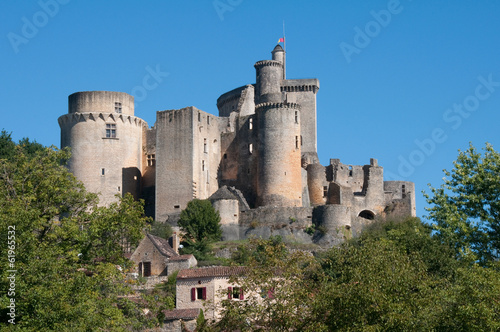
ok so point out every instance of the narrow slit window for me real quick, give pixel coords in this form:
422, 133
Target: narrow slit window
250, 123
296, 142
250, 148
203, 165
199, 117
103, 171
208, 120
296, 117
205, 145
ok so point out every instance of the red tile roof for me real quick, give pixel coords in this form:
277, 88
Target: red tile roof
214, 271
181, 313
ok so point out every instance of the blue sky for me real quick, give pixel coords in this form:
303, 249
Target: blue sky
405, 82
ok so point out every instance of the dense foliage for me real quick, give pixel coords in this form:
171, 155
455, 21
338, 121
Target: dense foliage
465, 209
396, 276
68, 251
200, 223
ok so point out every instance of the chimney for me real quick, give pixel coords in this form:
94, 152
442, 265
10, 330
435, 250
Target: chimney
174, 242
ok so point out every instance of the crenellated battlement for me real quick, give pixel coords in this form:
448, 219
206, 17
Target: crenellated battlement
267, 63
96, 116
265, 106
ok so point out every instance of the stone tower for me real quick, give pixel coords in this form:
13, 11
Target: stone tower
106, 142
279, 180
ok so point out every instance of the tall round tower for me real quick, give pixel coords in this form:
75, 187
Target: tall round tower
106, 142
279, 180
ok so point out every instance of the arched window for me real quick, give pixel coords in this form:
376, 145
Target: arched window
367, 215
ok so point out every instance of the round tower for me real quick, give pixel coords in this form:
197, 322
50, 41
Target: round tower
279, 180
316, 178
106, 142
268, 81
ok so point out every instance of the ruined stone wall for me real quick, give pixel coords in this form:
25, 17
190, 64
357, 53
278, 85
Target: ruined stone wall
400, 196
106, 146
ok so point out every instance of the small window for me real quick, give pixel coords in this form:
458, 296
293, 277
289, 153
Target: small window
199, 293
203, 165
208, 120
235, 293
177, 206
350, 170
151, 159
296, 117
199, 117
103, 171
296, 142
250, 123
205, 145
170, 116
118, 107
301, 144
146, 269
110, 130
325, 191
250, 148
225, 155
119, 188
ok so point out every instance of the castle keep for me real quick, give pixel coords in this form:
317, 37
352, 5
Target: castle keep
257, 161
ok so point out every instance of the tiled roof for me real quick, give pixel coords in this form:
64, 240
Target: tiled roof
215, 271
180, 258
181, 313
162, 245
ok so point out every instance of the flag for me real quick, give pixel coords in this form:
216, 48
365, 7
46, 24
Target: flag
281, 40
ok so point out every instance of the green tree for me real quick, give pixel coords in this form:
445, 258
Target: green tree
280, 287
465, 209
200, 223
7, 146
161, 229
67, 249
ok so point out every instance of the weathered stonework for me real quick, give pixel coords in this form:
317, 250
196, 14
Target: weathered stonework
261, 151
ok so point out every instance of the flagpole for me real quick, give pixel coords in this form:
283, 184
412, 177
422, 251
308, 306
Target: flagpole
284, 46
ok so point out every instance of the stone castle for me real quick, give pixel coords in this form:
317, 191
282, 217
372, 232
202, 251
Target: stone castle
256, 161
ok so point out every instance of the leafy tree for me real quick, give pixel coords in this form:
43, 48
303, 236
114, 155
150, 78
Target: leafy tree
201, 224
7, 146
280, 288
466, 207
161, 229
67, 250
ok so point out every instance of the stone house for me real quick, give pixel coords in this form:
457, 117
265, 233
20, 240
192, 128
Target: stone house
196, 287
155, 257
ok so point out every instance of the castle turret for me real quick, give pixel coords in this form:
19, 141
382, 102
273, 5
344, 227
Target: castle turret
106, 142
280, 55
268, 81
